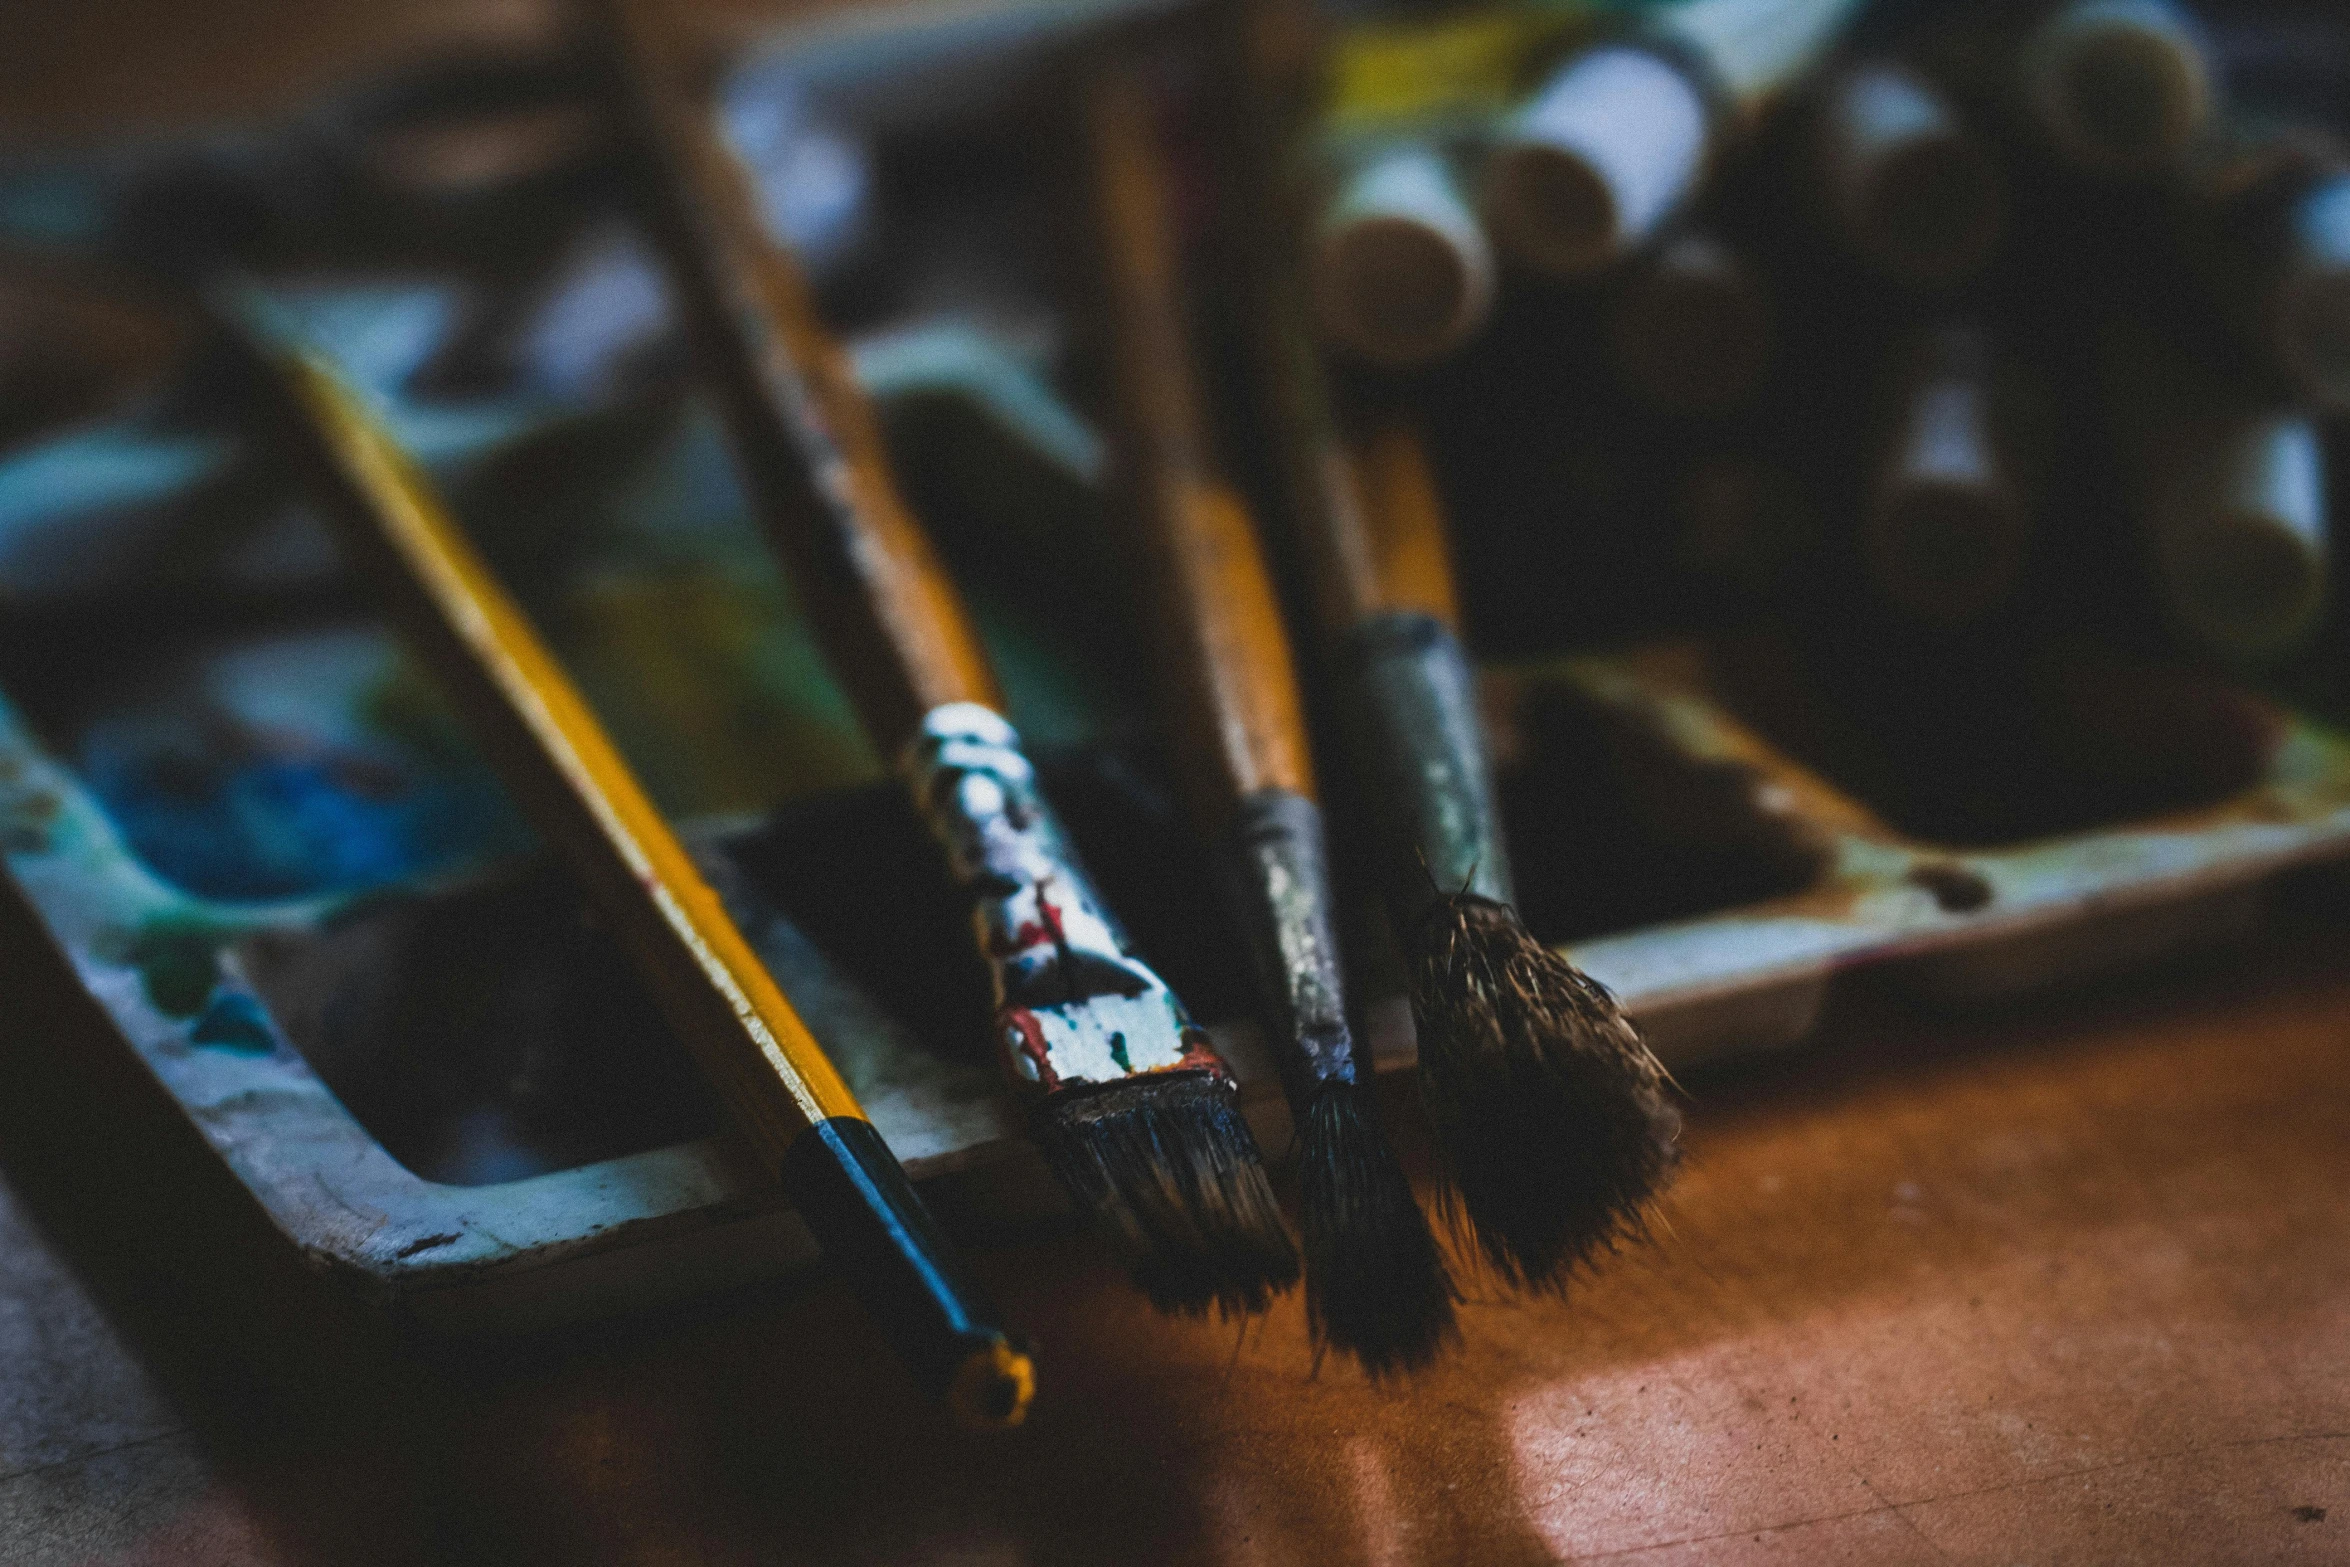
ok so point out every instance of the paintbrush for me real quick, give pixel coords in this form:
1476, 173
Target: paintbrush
1549, 1110
787, 1101
1550, 1118
1135, 1112
1376, 1285
1606, 150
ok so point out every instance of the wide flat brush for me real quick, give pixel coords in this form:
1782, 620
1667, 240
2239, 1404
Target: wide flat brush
1376, 1284
784, 1097
1136, 1113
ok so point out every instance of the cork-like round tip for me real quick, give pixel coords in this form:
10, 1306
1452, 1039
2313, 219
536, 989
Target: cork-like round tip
2312, 301
1933, 211
2119, 86
1692, 329
2247, 583
1400, 291
1552, 210
993, 1387
1399, 271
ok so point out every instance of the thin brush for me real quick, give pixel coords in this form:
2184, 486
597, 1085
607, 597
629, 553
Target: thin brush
785, 1099
1136, 1113
1550, 1116
1376, 1284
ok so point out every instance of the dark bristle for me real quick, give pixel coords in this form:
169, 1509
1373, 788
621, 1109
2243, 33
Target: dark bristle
1376, 1284
1171, 1173
1549, 1113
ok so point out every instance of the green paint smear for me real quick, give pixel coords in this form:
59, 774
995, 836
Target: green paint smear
178, 960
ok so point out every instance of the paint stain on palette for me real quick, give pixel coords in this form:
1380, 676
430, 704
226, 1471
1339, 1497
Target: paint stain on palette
289, 766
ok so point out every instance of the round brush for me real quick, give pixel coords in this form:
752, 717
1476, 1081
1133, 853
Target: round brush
1376, 1283
1549, 1112
1552, 1126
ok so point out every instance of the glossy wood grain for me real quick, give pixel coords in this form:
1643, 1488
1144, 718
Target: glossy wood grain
804, 432
1225, 657
2065, 1287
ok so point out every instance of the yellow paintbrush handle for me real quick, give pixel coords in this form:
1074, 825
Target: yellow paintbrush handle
580, 791
782, 1093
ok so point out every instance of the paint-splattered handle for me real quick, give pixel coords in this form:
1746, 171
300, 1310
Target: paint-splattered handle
1410, 698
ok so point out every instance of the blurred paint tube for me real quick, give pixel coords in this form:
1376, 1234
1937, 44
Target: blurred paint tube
1691, 326
2117, 87
1907, 184
1945, 527
1613, 143
1398, 269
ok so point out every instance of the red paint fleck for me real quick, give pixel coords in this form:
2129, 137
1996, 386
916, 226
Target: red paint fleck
1017, 1029
1199, 1055
1019, 940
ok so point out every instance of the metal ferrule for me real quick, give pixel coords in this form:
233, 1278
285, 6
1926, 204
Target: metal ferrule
1277, 885
1411, 702
1073, 1006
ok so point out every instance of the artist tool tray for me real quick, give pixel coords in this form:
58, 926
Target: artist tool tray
303, 905
240, 822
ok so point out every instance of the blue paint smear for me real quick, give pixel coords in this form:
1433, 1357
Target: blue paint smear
245, 827
235, 1022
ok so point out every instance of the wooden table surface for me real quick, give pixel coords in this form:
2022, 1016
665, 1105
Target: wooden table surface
2070, 1286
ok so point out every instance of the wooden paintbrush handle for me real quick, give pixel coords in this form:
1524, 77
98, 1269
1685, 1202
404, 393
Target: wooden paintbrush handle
1406, 544
806, 435
1225, 656
1409, 690
782, 1094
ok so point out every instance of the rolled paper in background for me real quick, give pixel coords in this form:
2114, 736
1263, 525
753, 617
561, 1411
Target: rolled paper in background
2234, 507
2306, 309
1945, 528
1398, 269
1908, 185
1691, 326
1596, 161
2117, 87
1613, 143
